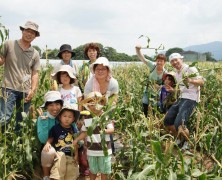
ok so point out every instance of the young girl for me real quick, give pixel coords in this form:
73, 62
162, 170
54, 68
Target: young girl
70, 94
167, 93
98, 162
61, 136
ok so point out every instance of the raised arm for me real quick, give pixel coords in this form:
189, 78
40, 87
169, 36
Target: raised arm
140, 55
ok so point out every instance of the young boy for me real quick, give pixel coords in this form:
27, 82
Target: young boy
167, 92
98, 162
61, 137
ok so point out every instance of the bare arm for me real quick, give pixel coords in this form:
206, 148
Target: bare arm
48, 144
109, 131
196, 82
79, 104
140, 55
2, 60
34, 85
80, 137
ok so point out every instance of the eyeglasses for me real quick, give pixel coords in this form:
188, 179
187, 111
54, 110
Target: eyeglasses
101, 69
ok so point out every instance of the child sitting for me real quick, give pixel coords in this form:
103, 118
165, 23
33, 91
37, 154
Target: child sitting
61, 137
98, 162
70, 94
167, 93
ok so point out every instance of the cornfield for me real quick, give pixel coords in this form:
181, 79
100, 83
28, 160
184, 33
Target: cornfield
148, 152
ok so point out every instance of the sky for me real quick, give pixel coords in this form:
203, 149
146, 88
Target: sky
116, 23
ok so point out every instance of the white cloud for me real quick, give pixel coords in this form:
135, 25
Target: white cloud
117, 23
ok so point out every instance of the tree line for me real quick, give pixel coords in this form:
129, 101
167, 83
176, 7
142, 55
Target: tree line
110, 53
106, 51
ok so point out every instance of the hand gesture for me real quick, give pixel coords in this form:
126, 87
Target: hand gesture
40, 112
47, 147
169, 88
29, 96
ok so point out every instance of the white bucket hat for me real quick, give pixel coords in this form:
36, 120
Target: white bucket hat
52, 96
65, 68
175, 56
101, 60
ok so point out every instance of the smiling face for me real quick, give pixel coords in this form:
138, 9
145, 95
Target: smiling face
66, 118
92, 54
177, 63
101, 72
64, 78
160, 63
28, 35
66, 56
54, 108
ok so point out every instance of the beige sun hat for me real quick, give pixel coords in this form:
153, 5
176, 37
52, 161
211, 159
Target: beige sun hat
65, 68
70, 108
94, 96
31, 25
51, 96
101, 60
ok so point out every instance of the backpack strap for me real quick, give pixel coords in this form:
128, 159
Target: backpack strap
148, 77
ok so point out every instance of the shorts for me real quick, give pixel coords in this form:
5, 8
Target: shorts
179, 111
100, 164
65, 168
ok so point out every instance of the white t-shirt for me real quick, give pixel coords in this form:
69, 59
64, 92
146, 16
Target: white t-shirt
193, 92
70, 97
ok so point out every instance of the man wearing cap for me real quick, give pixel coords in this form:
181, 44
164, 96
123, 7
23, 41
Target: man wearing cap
189, 86
20, 79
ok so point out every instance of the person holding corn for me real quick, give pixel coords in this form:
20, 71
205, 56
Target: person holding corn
189, 82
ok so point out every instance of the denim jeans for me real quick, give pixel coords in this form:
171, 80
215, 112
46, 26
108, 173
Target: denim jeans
11, 98
179, 111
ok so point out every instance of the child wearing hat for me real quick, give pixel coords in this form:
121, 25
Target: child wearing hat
61, 137
71, 94
167, 92
98, 161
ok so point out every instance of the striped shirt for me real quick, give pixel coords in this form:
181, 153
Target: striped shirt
94, 146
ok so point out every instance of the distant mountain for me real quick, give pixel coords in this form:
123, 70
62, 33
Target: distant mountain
214, 47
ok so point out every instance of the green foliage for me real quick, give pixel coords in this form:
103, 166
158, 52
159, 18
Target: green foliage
173, 50
209, 56
38, 49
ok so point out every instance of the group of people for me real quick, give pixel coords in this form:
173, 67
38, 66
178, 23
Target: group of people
62, 127
177, 103
62, 123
